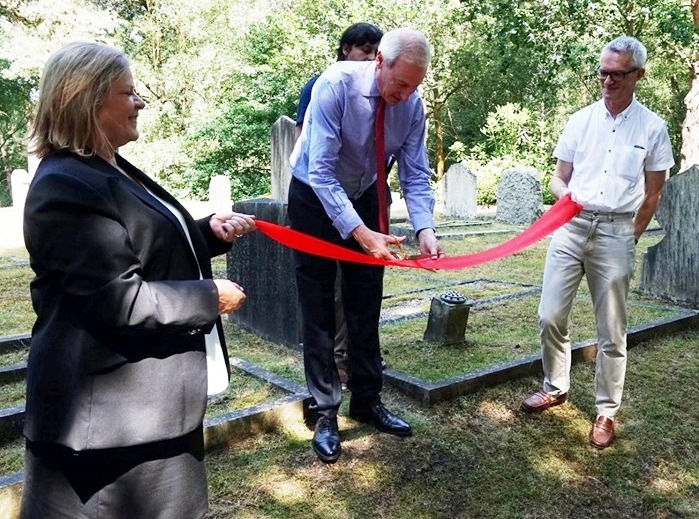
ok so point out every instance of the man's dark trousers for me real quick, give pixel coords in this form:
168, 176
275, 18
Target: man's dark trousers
362, 290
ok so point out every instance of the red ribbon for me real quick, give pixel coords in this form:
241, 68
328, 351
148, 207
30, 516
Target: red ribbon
560, 213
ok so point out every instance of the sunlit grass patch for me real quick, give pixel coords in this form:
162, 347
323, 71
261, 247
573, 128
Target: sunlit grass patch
244, 391
13, 355
16, 313
13, 394
11, 454
495, 333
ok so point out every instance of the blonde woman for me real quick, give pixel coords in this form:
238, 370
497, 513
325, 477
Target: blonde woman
127, 312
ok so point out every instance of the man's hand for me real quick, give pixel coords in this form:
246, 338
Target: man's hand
376, 244
429, 245
229, 226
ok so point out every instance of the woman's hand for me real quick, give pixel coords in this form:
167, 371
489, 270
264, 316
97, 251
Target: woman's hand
231, 296
229, 226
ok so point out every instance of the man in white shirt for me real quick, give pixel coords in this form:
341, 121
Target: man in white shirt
613, 158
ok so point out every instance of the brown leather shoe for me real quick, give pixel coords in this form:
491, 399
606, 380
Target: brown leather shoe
602, 433
541, 401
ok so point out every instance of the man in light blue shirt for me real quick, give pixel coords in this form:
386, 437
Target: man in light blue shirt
333, 196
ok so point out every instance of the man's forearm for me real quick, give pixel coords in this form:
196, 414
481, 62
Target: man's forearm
558, 187
644, 215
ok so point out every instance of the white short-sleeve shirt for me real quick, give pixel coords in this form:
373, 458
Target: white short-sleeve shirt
611, 155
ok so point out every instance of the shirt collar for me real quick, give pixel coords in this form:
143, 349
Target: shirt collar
369, 87
625, 114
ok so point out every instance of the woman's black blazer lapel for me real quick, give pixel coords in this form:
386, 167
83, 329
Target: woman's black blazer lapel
200, 253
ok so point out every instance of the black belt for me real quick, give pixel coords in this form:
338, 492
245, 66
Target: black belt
605, 216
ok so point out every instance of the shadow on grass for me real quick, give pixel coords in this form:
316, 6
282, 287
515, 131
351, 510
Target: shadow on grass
478, 456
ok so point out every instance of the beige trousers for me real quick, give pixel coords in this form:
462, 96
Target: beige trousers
601, 247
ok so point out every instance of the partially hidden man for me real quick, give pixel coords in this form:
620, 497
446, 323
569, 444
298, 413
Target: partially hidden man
613, 158
333, 196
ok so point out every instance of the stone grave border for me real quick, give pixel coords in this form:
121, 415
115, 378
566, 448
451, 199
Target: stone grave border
253, 419
270, 416
218, 431
444, 233
431, 393
527, 289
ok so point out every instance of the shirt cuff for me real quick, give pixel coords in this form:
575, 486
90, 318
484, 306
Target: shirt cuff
417, 233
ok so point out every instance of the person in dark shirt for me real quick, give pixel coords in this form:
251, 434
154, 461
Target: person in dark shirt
359, 42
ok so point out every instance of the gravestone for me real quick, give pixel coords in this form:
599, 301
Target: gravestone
282, 146
670, 267
32, 164
265, 269
459, 192
520, 199
220, 194
19, 181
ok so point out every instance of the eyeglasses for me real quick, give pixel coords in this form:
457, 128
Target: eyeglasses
616, 76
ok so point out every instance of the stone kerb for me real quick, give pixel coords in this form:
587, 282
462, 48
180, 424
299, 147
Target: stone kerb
282, 145
266, 270
459, 192
219, 431
432, 393
670, 267
520, 199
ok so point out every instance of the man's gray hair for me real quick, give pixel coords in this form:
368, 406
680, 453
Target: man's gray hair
408, 44
628, 45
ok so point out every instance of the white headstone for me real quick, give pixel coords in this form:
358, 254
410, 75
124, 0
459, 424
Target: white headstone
282, 146
32, 164
459, 192
220, 194
20, 186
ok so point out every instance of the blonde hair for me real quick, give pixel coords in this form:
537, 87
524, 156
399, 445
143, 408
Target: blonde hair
75, 83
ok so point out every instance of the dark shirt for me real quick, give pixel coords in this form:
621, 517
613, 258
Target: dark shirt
304, 99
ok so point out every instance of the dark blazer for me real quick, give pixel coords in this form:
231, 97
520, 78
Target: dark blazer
117, 355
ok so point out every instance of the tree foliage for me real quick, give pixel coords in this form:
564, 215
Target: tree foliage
216, 73
14, 109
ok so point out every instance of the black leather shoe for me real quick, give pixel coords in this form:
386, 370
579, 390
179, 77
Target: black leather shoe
326, 439
377, 415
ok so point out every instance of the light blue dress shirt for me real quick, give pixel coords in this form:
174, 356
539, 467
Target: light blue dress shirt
336, 154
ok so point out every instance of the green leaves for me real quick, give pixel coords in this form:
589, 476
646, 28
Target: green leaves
217, 73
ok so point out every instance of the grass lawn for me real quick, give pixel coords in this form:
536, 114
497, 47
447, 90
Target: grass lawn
476, 456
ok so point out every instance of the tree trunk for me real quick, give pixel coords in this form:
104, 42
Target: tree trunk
689, 154
438, 145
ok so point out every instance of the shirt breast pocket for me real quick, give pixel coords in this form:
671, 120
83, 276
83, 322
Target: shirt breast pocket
630, 161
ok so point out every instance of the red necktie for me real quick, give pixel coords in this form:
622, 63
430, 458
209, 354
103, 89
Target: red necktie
381, 166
